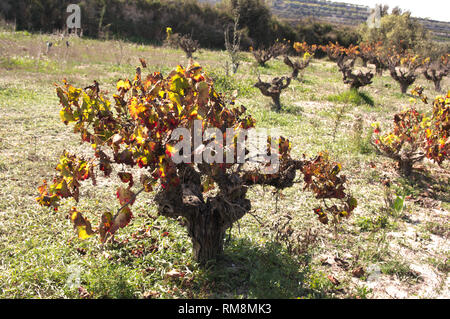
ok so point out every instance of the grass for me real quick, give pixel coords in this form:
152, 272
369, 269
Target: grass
40, 256
373, 224
353, 96
399, 269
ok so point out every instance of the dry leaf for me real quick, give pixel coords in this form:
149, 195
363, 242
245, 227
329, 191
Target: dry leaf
174, 274
150, 294
333, 280
84, 294
358, 272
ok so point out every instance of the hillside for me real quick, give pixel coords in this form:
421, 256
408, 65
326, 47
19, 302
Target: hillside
343, 13
340, 13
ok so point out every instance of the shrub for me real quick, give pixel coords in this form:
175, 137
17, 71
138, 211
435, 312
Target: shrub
436, 70
402, 66
345, 59
416, 136
373, 53
136, 130
356, 78
275, 50
297, 65
188, 45
233, 46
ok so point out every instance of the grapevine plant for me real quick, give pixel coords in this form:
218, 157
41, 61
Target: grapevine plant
306, 52
416, 135
131, 135
402, 66
373, 53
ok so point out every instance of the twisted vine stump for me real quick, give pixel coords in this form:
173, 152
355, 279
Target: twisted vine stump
404, 76
296, 65
188, 45
436, 71
274, 88
402, 67
356, 78
264, 55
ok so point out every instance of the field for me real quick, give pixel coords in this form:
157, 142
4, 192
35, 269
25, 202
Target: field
379, 252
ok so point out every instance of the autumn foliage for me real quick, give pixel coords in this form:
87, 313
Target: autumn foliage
416, 135
130, 136
306, 53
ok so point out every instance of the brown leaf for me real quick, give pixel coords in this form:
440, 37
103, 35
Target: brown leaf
126, 178
144, 64
150, 269
333, 280
125, 195
81, 251
105, 225
150, 294
80, 224
121, 220
358, 272
175, 274
341, 263
84, 294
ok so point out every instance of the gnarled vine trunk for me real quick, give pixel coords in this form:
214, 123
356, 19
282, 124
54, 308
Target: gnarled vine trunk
404, 76
274, 89
355, 78
208, 219
436, 73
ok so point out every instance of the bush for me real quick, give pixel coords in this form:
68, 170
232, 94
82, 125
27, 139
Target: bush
209, 193
396, 30
415, 135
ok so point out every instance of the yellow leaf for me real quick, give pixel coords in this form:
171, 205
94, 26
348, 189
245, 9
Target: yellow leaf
83, 232
125, 85
81, 224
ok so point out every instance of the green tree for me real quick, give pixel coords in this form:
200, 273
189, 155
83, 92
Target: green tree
399, 30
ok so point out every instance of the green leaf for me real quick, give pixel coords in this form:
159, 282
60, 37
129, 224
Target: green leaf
399, 203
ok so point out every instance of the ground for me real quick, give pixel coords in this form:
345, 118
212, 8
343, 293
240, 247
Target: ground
379, 252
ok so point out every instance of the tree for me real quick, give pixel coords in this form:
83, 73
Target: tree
150, 124
254, 15
399, 31
233, 46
